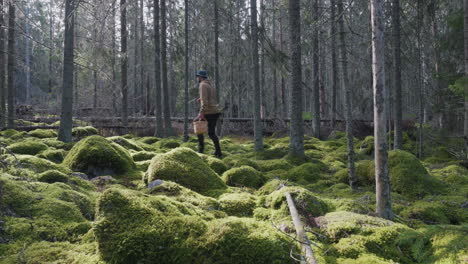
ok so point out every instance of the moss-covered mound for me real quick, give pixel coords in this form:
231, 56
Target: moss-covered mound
167, 144
43, 133
143, 155
96, 156
237, 204
408, 176
243, 176
131, 229
54, 155
275, 164
454, 174
215, 164
27, 147
52, 176
85, 131
126, 143
305, 173
185, 167
35, 164
435, 212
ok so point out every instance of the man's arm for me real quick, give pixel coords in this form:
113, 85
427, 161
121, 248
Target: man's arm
203, 98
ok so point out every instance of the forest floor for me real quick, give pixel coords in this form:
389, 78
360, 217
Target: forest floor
128, 199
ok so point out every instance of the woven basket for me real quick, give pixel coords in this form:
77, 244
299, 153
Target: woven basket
200, 126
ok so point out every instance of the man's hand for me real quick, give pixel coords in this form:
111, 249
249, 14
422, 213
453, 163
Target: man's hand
199, 100
200, 116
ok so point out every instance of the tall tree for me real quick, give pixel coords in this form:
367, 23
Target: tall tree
66, 118
28, 55
466, 75
397, 71
348, 105
157, 72
165, 86
382, 178
217, 81
2, 68
315, 52
420, 86
296, 143
258, 133
124, 59
334, 68
113, 59
274, 71
186, 80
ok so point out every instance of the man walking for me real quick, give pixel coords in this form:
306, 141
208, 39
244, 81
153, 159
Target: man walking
208, 110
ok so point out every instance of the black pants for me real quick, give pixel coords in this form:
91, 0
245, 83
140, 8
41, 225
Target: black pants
212, 119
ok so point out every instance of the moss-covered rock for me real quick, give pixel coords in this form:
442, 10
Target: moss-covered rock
243, 176
149, 140
143, 155
366, 146
52, 176
167, 144
85, 131
237, 204
96, 156
54, 155
130, 230
215, 164
365, 171
454, 174
239, 161
27, 147
43, 133
185, 167
9, 133
35, 164
435, 212
126, 143
275, 164
305, 173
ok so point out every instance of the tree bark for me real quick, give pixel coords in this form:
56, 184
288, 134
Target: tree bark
315, 52
398, 141
420, 86
348, 104
334, 71
124, 60
113, 60
186, 80
296, 143
217, 82
66, 118
165, 86
258, 130
465, 132
28, 56
159, 132
274, 72
382, 179
3, 92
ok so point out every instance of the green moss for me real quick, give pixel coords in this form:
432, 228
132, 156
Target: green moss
243, 176
143, 165
275, 152
54, 155
364, 258
366, 146
185, 167
139, 232
365, 172
408, 176
85, 131
52, 176
237, 204
149, 140
43, 133
236, 161
27, 147
305, 173
36, 164
453, 174
215, 164
307, 204
8, 133
143, 155
275, 164
435, 212
126, 143
55, 143
96, 156
167, 144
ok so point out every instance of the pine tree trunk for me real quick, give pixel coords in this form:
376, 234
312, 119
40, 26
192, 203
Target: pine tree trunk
66, 118
420, 86
51, 44
186, 80
382, 179
113, 61
3, 92
124, 58
217, 81
28, 57
158, 112
296, 144
398, 142
348, 105
334, 71
315, 51
165, 86
284, 107
258, 130
274, 72
465, 132
141, 58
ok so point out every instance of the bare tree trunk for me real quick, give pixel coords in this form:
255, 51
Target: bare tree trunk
274, 72
258, 131
420, 86
141, 58
348, 104
28, 56
283, 82
66, 118
217, 82
165, 86
397, 57
124, 58
158, 112
315, 52
186, 80
51, 44
296, 143
334, 72
382, 179
3, 92
11, 64
113, 61
95, 77
465, 132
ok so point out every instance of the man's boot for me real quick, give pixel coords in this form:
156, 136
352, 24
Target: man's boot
201, 144
218, 154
